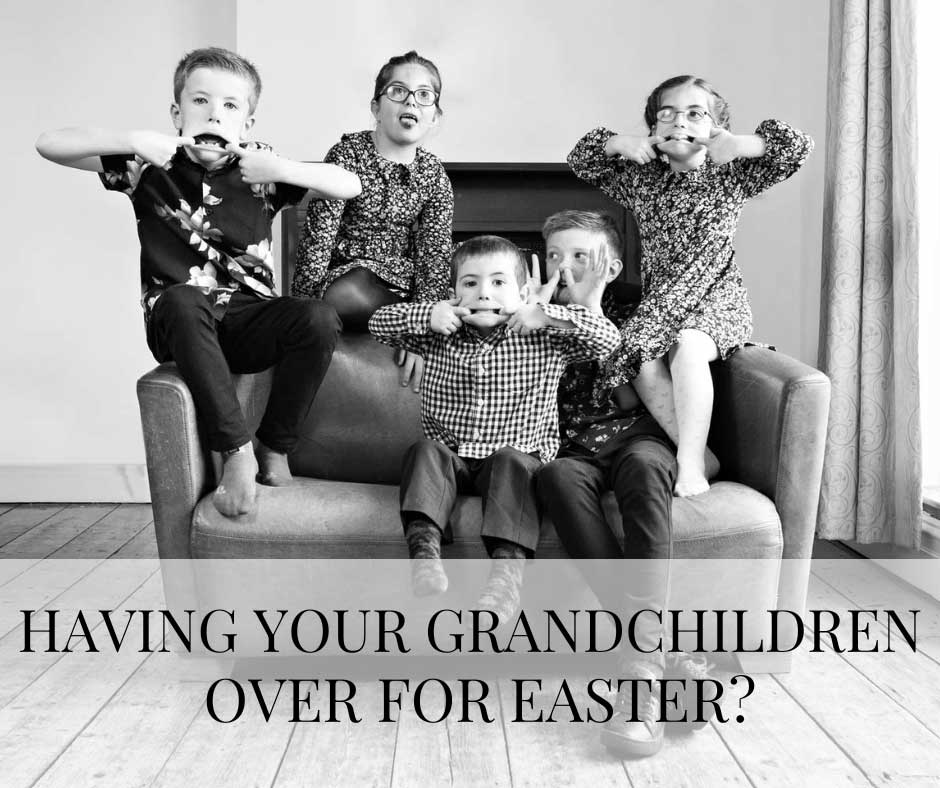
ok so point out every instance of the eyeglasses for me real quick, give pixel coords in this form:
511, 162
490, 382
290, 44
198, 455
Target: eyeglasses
694, 115
424, 97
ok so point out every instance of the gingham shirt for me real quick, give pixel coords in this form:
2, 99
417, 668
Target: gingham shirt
480, 393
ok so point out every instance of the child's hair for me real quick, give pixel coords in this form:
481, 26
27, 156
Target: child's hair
223, 60
592, 221
409, 58
481, 245
719, 109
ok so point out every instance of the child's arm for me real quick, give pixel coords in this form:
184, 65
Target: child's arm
578, 331
82, 148
770, 155
434, 242
591, 162
411, 325
327, 181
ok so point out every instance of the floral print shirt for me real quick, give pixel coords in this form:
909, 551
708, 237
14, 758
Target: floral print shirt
687, 222
399, 227
205, 228
581, 419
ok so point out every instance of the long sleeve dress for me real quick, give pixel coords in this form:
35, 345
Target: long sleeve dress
687, 221
399, 227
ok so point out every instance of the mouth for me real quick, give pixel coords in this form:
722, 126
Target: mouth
489, 310
408, 119
678, 137
211, 141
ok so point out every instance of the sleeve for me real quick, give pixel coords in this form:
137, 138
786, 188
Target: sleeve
277, 195
786, 151
120, 172
318, 236
434, 242
592, 337
609, 174
404, 325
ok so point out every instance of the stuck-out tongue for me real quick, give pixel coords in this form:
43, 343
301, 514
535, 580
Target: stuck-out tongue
211, 139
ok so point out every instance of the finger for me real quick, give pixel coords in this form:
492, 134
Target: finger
233, 148
567, 277
535, 272
185, 141
417, 375
655, 139
461, 311
702, 140
553, 281
454, 301
399, 356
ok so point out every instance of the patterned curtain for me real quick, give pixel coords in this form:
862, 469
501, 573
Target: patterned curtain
871, 488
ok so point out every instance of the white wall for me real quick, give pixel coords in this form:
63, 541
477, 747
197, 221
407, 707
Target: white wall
72, 333
522, 81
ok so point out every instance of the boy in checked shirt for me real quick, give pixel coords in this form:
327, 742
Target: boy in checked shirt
492, 363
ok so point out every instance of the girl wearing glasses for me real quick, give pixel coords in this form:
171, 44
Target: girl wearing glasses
686, 184
393, 242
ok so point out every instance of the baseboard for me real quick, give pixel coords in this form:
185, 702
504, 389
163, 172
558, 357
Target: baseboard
74, 483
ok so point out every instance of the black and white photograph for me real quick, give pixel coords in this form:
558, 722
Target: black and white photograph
478, 394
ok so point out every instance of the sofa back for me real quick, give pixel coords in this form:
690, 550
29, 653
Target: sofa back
363, 419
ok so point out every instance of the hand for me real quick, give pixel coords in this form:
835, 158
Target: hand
540, 293
589, 291
257, 166
528, 318
447, 317
412, 368
636, 149
722, 145
156, 148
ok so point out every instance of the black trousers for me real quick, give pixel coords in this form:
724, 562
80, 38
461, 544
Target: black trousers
639, 465
433, 475
295, 334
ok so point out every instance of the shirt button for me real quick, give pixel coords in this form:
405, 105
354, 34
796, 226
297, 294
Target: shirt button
477, 435
481, 370
481, 402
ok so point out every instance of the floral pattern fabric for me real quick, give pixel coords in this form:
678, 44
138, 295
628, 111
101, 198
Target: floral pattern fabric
583, 421
399, 227
687, 221
205, 228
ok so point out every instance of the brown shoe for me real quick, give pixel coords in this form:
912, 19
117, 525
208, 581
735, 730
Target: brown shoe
690, 669
636, 730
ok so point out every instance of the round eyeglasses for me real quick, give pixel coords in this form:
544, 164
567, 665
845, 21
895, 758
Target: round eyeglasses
424, 97
693, 115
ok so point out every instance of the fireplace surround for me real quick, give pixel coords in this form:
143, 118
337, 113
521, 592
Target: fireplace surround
508, 199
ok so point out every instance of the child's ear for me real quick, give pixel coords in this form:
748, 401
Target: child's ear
524, 292
249, 123
176, 117
614, 267
374, 106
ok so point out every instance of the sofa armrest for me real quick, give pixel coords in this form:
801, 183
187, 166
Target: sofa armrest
177, 461
769, 431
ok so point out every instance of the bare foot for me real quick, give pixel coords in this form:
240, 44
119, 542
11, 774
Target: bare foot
712, 466
273, 470
236, 492
690, 480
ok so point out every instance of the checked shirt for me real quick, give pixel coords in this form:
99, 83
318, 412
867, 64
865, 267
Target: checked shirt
481, 393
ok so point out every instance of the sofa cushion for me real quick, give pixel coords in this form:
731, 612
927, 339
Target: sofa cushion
319, 519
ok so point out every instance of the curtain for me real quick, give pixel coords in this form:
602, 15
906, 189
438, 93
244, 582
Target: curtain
871, 489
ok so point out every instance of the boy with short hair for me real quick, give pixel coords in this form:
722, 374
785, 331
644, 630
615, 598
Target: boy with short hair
204, 202
488, 407
614, 445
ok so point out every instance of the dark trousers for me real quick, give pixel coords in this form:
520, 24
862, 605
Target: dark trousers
433, 475
295, 334
639, 465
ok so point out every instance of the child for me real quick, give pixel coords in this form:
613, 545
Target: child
204, 202
492, 365
685, 184
604, 448
393, 242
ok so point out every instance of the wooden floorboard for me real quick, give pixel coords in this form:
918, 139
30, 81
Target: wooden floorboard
126, 719
18, 520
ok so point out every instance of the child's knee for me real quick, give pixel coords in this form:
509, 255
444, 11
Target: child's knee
317, 319
182, 302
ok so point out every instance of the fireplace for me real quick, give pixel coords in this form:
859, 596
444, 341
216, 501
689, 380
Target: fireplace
506, 199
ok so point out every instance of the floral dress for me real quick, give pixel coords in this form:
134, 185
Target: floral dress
687, 221
399, 227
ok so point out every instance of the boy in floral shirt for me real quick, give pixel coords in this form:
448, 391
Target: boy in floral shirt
204, 202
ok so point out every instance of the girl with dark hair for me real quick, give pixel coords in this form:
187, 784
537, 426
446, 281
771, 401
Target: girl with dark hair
393, 242
686, 184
